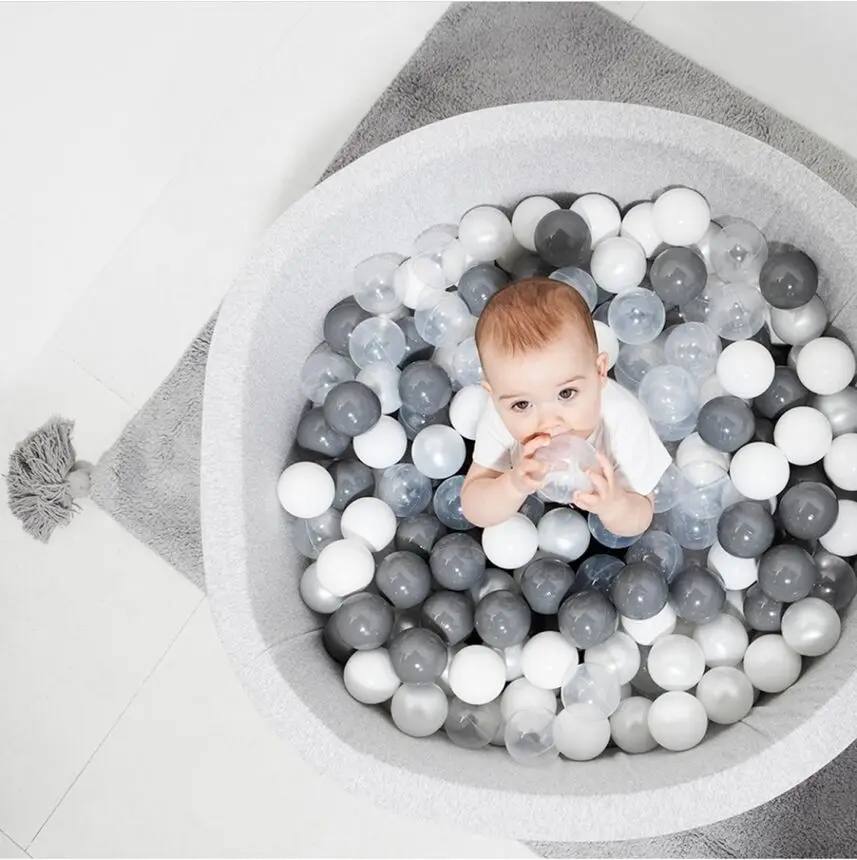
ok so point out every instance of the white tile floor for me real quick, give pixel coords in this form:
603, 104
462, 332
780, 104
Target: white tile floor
124, 731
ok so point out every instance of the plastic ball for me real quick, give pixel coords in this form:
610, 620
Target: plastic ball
837, 581
587, 618
477, 675
761, 612
521, 695
669, 393
404, 579
826, 365
811, 627
529, 737
424, 387
526, 217
447, 504
457, 562
323, 371
696, 595
759, 471
787, 573
546, 659
771, 664
842, 538
693, 346
485, 232
376, 339
737, 311
370, 521
639, 591
352, 408
726, 423
502, 619
659, 549
405, 489
681, 216
364, 621
598, 572
562, 238
421, 276
442, 319
569, 458
803, 434
373, 283
494, 580
454, 262
315, 596
413, 422
419, 710
746, 530
579, 280
591, 684
581, 732
693, 449
808, 510
438, 451
620, 654
703, 246
785, 392
649, 630
789, 279
608, 343
449, 614
738, 252
636, 316
840, 461
311, 536
511, 543
629, 726
383, 380
466, 409
601, 534
676, 662
669, 489
477, 285
435, 239
801, 325
723, 640
745, 369
352, 480
726, 694
563, 533
677, 721
305, 490
369, 677
315, 434
678, 275
339, 322
840, 409
736, 572
601, 215
472, 726
635, 361
639, 224
618, 264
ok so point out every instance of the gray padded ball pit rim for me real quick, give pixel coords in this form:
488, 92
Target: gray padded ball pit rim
252, 402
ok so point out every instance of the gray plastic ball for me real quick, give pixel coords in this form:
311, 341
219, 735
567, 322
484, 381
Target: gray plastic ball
726, 423
416, 349
425, 387
808, 510
764, 431
802, 324
837, 581
413, 421
449, 614
639, 591
447, 504
457, 562
405, 489
785, 392
762, 613
315, 434
405, 619
746, 529
697, 595
419, 534
533, 509
472, 727
311, 536
336, 648
545, 583
587, 619
478, 284
502, 619
352, 408
788, 279
418, 656
678, 275
351, 480
340, 321
562, 238
787, 573
840, 409
364, 621
404, 579
530, 265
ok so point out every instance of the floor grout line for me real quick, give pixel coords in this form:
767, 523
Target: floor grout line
116, 722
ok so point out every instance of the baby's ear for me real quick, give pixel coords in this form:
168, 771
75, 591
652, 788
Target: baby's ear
486, 386
601, 362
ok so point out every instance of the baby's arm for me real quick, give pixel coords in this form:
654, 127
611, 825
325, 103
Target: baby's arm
489, 497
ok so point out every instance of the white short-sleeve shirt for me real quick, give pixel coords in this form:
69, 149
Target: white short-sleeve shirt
624, 435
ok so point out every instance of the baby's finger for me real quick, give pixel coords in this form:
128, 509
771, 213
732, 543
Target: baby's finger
599, 483
606, 467
533, 445
585, 501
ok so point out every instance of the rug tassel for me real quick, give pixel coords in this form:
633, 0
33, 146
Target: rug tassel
44, 479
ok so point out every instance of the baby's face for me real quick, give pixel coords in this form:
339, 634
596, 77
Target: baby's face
552, 390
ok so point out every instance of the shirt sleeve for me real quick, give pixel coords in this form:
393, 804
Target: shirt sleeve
493, 446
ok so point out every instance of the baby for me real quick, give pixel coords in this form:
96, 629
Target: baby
545, 376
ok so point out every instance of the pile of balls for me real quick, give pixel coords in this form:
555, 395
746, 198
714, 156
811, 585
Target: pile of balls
547, 634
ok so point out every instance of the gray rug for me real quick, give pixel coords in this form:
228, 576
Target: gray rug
482, 55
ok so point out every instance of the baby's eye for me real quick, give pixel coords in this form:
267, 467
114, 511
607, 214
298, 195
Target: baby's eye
520, 406
567, 393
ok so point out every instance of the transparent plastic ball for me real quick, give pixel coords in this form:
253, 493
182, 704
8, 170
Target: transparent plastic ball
691, 530
708, 489
419, 276
472, 726
377, 339
738, 252
311, 536
737, 311
591, 684
636, 316
604, 536
435, 239
669, 489
669, 393
695, 347
529, 737
598, 572
373, 281
569, 458
322, 372
635, 361
659, 549
447, 504
466, 366
405, 489
581, 281
443, 319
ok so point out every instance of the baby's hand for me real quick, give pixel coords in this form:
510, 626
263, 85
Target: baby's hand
605, 494
529, 474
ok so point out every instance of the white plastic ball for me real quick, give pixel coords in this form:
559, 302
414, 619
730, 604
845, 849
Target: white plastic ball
677, 721
477, 674
466, 409
345, 566
736, 573
745, 368
842, 538
438, 451
618, 264
601, 215
369, 676
771, 665
581, 732
840, 462
811, 626
383, 379
526, 217
693, 449
620, 654
371, 521
382, 446
629, 726
803, 434
306, 490
723, 641
639, 224
759, 470
726, 694
485, 233
563, 533
511, 543
607, 342
647, 631
314, 595
546, 659
419, 710
676, 662
521, 695
681, 216
826, 365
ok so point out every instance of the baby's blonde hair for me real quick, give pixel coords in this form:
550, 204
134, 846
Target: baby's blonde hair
530, 314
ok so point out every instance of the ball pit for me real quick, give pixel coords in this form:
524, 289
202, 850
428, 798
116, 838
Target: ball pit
253, 411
